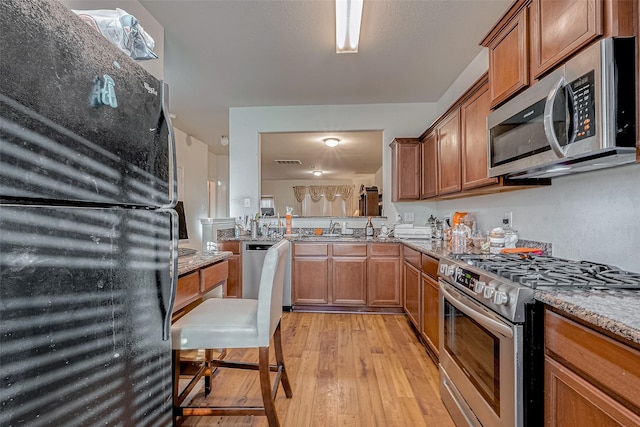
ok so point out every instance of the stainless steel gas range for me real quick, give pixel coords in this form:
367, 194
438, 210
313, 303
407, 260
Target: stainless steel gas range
491, 333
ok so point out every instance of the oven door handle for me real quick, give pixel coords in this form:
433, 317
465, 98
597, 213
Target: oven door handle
494, 325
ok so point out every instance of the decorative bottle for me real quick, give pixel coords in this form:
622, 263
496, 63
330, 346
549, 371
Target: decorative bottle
369, 228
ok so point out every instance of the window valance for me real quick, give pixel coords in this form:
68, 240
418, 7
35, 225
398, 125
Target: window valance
328, 191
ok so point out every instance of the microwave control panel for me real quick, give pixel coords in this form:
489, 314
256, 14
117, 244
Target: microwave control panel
584, 105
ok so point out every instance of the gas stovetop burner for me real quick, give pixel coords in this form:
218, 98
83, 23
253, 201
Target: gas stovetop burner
537, 271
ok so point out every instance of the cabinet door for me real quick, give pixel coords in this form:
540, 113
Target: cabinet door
561, 28
430, 313
411, 278
475, 163
430, 166
509, 59
234, 280
383, 279
572, 401
449, 154
348, 280
310, 280
405, 173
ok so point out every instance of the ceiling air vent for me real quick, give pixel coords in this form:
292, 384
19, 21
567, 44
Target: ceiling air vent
288, 162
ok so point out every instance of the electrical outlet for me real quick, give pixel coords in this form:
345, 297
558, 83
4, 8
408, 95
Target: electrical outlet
507, 219
247, 202
408, 216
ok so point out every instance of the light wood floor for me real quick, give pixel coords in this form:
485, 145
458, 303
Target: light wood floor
345, 370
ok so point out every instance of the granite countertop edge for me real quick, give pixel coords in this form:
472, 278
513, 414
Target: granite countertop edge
615, 311
190, 263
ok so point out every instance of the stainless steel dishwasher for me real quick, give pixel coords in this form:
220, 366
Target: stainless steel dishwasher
253, 253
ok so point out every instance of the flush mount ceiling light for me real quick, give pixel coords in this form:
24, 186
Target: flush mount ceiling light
331, 142
317, 172
224, 141
348, 19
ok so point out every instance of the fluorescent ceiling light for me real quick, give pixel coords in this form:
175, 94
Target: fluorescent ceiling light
331, 142
317, 173
348, 18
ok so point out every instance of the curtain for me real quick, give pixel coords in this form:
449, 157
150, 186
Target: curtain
323, 200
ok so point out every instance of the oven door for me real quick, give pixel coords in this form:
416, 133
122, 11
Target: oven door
481, 371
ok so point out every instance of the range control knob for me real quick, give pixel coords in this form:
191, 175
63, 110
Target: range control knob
488, 292
446, 270
451, 270
478, 287
500, 298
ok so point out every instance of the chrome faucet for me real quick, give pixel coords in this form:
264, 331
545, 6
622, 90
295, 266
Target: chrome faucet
332, 226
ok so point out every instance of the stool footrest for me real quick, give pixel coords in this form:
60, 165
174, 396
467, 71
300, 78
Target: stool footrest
185, 411
240, 365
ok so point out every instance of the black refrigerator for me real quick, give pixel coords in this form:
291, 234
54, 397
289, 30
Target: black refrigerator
88, 235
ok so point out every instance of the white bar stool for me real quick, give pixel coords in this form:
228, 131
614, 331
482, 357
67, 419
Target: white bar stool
220, 323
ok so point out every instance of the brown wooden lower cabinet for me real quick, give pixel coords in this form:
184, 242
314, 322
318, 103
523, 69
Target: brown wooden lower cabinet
430, 315
412, 294
359, 275
349, 274
234, 282
591, 379
310, 273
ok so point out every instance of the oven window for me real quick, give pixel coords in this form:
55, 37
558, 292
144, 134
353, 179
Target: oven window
476, 351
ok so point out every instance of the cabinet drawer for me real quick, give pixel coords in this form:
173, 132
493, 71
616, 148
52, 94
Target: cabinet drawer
188, 288
349, 249
310, 249
430, 266
232, 246
213, 275
601, 360
411, 256
384, 249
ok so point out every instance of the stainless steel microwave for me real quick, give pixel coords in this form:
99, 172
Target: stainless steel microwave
580, 117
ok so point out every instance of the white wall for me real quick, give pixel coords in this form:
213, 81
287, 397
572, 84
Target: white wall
592, 216
219, 174
245, 125
192, 157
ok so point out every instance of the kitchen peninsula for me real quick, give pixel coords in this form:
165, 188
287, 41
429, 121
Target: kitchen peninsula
199, 275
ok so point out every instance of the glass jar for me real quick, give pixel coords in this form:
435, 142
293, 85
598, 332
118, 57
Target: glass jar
496, 240
459, 238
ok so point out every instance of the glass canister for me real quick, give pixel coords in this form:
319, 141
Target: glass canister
496, 239
459, 236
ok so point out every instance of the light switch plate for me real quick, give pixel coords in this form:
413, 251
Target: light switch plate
247, 202
408, 216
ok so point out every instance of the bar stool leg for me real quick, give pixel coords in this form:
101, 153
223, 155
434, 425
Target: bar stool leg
265, 388
277, 341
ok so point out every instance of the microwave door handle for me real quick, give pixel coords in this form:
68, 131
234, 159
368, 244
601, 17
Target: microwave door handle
552, 138
455, 299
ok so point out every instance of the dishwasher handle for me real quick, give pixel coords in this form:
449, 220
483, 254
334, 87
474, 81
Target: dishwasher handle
257, 246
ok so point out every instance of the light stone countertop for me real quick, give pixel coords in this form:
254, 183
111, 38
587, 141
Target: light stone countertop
616, 311
187, 264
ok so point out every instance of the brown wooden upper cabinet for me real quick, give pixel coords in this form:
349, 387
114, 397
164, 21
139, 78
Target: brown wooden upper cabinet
449, 154
535, 36
405, 169
430, 165
509, 56
475, 153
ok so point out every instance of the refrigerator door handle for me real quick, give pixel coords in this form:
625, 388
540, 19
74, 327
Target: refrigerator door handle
173, 162
168, 309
